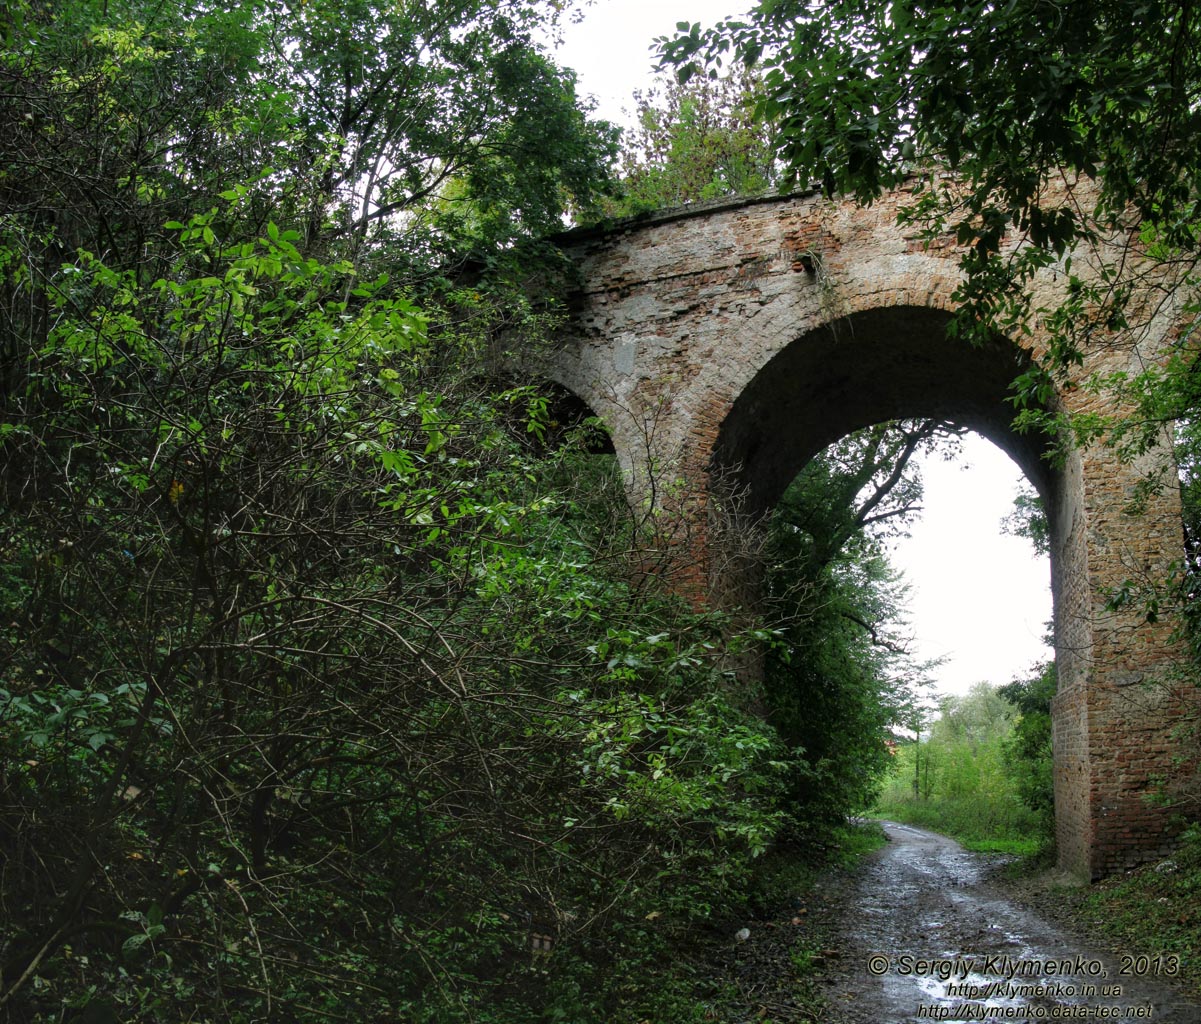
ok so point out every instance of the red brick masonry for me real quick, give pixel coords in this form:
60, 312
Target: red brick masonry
736, 340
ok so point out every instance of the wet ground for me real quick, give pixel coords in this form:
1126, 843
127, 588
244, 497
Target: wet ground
920, 934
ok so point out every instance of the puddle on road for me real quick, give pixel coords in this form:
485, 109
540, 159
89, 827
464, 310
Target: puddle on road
923, 938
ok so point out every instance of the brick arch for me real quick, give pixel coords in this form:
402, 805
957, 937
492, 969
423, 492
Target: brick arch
882, 363
751, 334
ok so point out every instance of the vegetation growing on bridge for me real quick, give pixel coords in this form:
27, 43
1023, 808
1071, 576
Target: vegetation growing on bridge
705, 139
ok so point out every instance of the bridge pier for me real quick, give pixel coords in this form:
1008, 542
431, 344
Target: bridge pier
1123, 719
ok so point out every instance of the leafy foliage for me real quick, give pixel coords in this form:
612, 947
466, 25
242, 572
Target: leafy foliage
1029, 520
1028, 751
697, 141
978, 773
842, 678
323, 671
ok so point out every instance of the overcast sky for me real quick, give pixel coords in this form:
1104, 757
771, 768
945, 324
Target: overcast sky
610, 49
980, 599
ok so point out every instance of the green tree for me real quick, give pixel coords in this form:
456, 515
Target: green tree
1028, 751
425, 138
974, 719
976, 772
841, 678
701, 140
1029, 520
969, 736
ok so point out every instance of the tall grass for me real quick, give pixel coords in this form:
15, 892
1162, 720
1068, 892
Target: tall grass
963, 781
994, 826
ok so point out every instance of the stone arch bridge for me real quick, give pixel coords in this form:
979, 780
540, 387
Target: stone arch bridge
743, 338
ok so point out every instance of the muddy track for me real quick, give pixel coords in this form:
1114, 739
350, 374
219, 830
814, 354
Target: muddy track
921, 934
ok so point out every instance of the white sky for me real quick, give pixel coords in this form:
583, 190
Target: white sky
980, 599
610, 49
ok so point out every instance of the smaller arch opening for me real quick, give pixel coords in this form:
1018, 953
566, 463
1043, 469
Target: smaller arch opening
569, 415
548, 415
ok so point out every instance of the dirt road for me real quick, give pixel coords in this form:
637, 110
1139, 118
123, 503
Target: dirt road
922, 935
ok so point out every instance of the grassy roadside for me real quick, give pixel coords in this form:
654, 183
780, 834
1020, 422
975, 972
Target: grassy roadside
974, 824
757, 962
1154, 911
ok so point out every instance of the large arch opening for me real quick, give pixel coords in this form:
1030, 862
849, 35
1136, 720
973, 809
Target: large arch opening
887, 365
896, 363
880, 364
